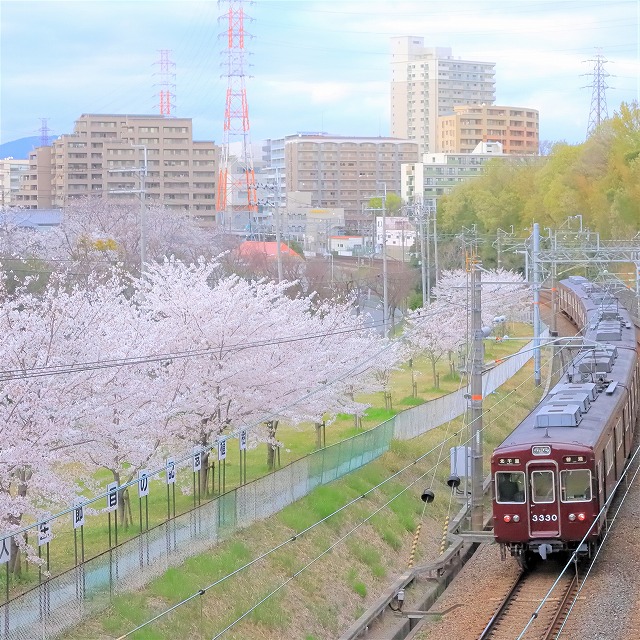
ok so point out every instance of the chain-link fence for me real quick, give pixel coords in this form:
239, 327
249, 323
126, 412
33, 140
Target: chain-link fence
61, 601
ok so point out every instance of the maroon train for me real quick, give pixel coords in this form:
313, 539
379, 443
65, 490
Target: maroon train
553, 474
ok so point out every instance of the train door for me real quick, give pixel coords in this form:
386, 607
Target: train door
544, 503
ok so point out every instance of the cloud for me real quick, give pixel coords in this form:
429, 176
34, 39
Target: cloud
321, 62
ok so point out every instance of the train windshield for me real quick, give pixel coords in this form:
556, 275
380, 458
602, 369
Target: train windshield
575, 485
510, 487
542, 486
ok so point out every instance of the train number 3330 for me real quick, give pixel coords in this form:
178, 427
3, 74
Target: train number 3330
544, 518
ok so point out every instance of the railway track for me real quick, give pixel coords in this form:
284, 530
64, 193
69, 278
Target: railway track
519, 605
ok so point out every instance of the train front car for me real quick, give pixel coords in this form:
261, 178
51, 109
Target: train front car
555, 471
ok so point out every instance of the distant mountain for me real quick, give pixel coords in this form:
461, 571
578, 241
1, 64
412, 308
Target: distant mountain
19, 149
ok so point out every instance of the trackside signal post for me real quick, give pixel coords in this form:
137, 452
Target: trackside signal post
477, 363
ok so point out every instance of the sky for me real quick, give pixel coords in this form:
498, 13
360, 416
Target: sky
311, 65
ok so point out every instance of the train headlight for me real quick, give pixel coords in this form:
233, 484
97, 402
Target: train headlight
581, 517
572, 516
507, 518
516, 518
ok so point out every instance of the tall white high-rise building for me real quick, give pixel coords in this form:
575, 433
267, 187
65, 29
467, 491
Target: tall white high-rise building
427, 82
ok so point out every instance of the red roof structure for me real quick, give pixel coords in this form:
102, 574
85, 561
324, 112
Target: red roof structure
253, 248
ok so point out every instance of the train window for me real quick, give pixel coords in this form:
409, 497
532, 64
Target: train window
510, 487
542, 486
575, 485
619, 428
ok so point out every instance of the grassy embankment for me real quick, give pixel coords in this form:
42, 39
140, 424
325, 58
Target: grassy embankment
336, 589
297, 442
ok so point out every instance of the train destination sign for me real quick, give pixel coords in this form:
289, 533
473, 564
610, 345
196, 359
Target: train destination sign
541, 450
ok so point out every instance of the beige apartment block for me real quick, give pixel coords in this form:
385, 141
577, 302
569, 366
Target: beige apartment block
11, 171
105, 156
35, 191
342, 172
515, 128
428, 82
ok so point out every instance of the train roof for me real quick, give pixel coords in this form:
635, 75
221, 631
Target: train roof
576, 409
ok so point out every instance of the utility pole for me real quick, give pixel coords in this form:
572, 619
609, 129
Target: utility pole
277, 215
477, 363
537, 375
143, 208
554, 292
428, 256
435, 243
423, 266
142, 174
385, 297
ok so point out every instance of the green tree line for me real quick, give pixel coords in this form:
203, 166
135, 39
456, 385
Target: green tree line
598, 179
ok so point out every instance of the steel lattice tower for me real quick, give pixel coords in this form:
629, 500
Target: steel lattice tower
598, 112
44, 132
167, 83
234, 182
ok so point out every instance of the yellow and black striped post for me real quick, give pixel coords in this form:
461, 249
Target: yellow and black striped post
414, 545
445, 531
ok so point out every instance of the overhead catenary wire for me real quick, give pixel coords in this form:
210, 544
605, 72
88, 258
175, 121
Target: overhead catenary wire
574, 555
355, 370
311, 562
315, 559
187, 456
11, 374
347, 505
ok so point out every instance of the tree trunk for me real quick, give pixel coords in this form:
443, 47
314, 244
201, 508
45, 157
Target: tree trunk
15, 564
433, 371
272, 427
123, 498
203, 474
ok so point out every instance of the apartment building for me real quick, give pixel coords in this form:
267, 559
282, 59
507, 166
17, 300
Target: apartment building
428, 82
105, 156
34, 191
10, 172
439, 173
343, 172
515, 128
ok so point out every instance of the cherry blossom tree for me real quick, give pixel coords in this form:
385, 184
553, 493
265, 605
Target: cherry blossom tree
436, 330
124, 414
39, 415
503, 292
441, 327
100, 232
263, 356
162, 363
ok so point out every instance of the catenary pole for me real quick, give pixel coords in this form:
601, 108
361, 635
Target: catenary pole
277, 216
423, 266
477, 362
537, 375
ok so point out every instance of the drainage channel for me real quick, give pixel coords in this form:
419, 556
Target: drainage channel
389, 618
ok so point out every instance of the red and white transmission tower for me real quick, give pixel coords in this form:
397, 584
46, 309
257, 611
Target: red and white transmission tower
167, 83
235, 182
